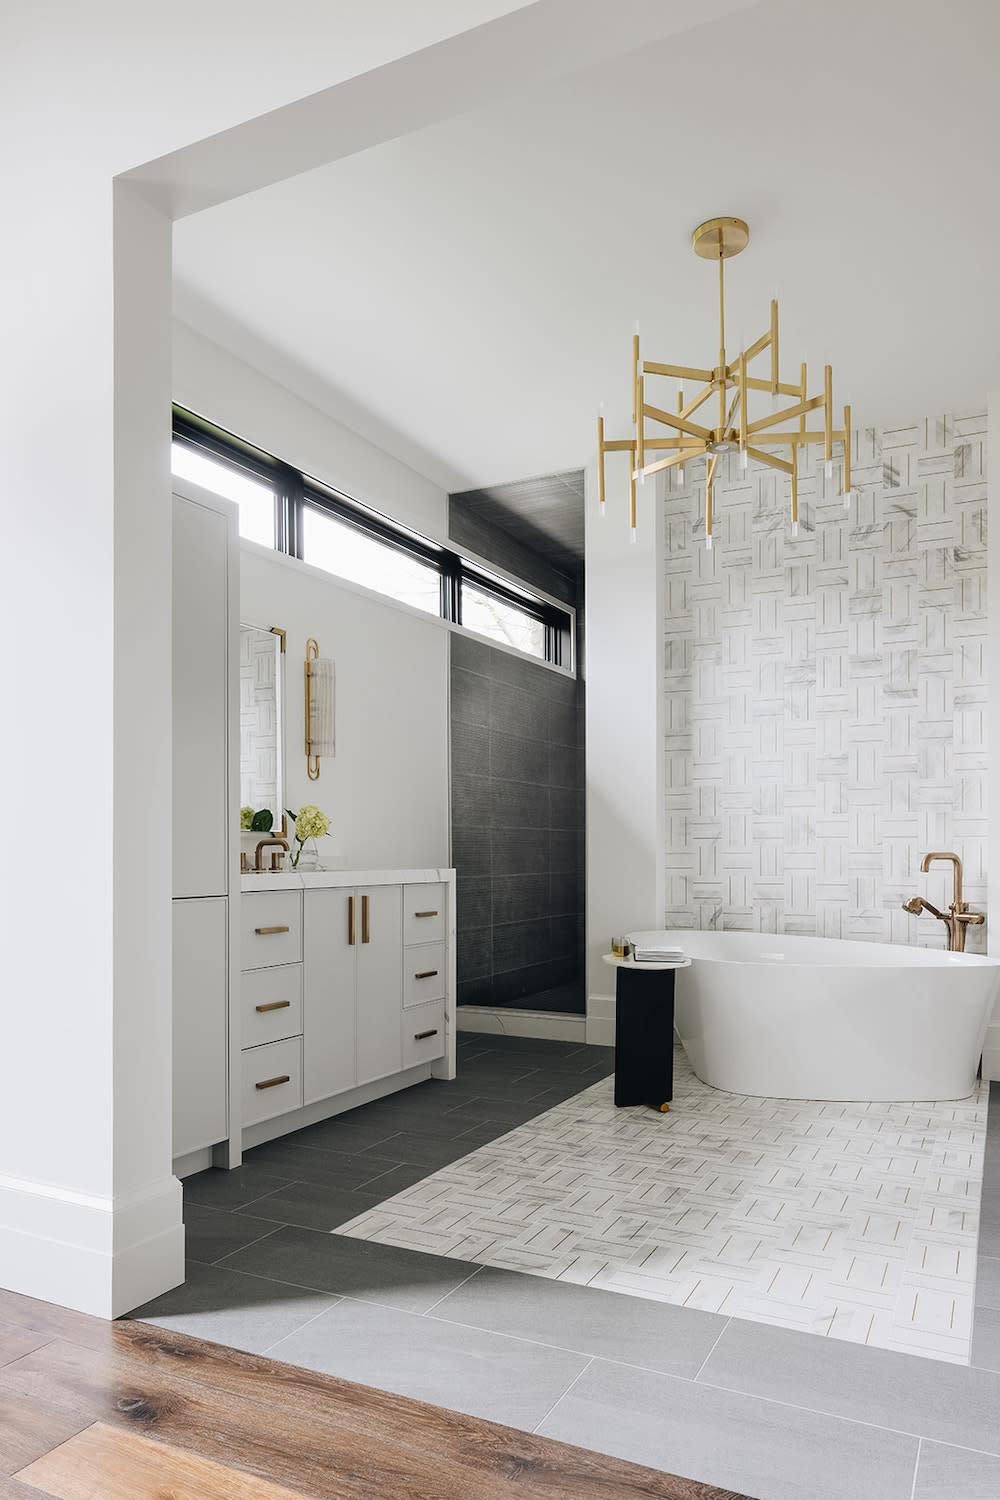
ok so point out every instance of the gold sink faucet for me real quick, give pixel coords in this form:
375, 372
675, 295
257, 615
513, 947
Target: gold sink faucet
258, 861
958, 918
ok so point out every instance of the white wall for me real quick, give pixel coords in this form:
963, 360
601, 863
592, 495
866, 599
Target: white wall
991, 1050
225, 390
624, 583
386, 789
89, 1211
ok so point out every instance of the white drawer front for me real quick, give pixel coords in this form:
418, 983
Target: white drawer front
423, 1033
272, 1080
270, 928
424, 913
272, 1004
423, 973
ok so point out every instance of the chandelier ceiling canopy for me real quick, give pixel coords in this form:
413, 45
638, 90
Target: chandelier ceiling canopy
732, 387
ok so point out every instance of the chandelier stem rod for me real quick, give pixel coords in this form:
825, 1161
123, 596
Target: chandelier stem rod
722, 340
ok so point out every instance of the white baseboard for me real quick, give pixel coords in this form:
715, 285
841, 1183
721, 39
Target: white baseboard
99, 1255
195, 1161
601, 1020
991, 1063
503, 1022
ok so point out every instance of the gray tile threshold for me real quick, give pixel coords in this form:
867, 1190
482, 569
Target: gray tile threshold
771, 1412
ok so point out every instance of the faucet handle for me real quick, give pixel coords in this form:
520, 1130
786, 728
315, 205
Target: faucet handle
276, 859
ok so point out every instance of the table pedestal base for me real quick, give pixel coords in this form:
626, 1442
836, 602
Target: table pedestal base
644, 1037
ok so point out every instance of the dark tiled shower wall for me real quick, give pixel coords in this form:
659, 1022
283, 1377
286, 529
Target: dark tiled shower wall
517, 829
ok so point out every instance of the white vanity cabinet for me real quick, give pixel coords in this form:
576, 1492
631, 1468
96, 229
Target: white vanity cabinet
351, 1007
353, 987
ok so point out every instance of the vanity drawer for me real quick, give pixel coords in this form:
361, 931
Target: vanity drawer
270, 928
423, 1033
272, 1004
272, 1080
423, 913
423, 973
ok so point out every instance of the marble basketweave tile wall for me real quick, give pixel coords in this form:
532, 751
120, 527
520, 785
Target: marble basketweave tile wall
825, 694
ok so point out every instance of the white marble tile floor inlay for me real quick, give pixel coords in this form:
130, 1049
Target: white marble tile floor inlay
852, 1221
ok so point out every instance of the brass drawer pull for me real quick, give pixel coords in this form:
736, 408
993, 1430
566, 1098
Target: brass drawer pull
418, 1036
270, 1083
351, 934
263, 931
274, 1005
427, 974
425, 913
366, 934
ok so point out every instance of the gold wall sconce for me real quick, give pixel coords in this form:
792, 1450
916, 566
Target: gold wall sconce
320, 681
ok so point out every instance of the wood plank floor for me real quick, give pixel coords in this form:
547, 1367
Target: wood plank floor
91, 1410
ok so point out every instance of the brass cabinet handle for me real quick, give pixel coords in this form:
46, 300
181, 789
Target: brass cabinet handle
425, 913
263, 931
365, 929
269, 1083
427, 974
418, 1036
274, 1005
351, 935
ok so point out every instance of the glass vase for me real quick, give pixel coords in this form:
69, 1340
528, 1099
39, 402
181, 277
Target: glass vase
309, 858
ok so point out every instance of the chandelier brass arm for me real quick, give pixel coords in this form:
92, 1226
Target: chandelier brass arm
719, 239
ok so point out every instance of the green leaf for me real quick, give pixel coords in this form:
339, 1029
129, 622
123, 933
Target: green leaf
263, 821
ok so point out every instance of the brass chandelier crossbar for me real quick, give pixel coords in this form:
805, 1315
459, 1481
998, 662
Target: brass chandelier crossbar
731, 386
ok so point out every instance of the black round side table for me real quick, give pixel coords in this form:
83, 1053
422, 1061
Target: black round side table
644, 1031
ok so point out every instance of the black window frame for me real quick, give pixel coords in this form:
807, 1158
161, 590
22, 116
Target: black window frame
295, 492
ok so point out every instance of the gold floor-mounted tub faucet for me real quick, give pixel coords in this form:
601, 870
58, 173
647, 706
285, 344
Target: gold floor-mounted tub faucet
958, 916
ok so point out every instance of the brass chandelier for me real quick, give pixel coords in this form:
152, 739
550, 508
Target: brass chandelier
732, 386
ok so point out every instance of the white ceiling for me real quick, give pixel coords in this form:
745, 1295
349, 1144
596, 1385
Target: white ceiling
466, 295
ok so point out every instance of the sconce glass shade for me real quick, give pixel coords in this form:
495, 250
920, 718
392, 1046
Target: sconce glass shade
321, 699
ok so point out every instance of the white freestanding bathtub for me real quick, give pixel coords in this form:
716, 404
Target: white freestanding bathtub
821, 1018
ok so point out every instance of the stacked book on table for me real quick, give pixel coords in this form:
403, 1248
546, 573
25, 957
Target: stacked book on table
655, 952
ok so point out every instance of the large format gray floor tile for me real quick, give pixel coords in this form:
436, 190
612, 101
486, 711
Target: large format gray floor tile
211, 1233
945, 1473
430, 1151
360, 1268
947, 1402
654, 1335
298, 1163
311, 1206
988, 1282
500, 1379
757, 1447
215, 1188
343, 1134
985, 1351
241, 1312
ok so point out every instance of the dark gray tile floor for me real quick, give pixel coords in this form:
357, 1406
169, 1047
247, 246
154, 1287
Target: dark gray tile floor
769, 1412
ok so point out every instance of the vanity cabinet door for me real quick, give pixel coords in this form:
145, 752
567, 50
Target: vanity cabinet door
330, 978
200, 1050
380, 981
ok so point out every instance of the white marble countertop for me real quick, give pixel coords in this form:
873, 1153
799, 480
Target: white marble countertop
294, 880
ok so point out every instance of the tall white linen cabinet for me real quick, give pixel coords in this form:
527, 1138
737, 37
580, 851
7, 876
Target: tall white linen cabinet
205, 826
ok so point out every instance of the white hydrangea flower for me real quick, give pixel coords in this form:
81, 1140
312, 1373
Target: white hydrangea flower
310, 823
